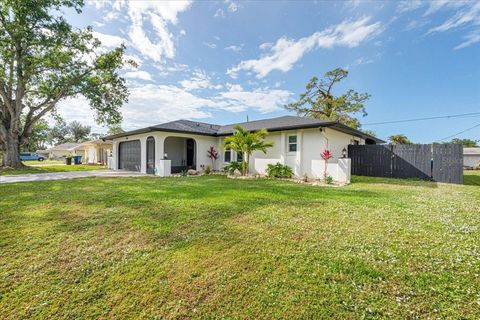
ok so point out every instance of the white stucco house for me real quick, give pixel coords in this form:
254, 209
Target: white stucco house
471, 157
174, 146
62, 150
96, 151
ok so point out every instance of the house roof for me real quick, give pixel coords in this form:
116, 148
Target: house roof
471, 151
96, 141
64, 146
272, 124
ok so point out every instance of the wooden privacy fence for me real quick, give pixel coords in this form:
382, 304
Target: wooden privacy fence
437, 162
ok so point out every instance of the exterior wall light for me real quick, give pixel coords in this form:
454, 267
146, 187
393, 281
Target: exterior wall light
344, 152
165, 156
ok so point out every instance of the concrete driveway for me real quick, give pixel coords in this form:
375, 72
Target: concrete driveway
67, 175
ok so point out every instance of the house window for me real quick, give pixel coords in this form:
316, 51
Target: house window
239, 157
227, 157
356, 142
292, 143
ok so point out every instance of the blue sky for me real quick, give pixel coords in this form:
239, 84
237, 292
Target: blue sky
220, 61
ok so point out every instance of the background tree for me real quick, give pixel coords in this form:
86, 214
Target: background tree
39, 137
318, 101
58, 133
468, 143
115, 129
245, 142
78, 132
399, 139
44, 60
370, 132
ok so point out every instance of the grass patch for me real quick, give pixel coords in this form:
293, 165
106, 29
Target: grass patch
51, 168
212, 247
44, 162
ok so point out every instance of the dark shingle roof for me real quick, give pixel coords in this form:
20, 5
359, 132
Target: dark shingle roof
188, 126
273, 124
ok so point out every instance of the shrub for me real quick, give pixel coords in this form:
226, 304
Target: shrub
183, 173
232, 166
329, 180
279, 170
207, 170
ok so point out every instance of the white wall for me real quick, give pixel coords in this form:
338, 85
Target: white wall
471, 160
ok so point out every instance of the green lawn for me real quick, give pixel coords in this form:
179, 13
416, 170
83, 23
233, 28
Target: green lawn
50, 168
212, 247
44, 162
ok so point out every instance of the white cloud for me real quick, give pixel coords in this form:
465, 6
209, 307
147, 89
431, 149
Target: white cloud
152, 104
210, 45
232, 5
219, 13
140, 74
407, 6
470, 15
199, 80
263, 100
266, 45
363, 60
157, 44
235, 48
471, 38
286, 52
466, 15
109, 41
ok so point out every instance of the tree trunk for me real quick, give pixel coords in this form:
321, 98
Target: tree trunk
11, 154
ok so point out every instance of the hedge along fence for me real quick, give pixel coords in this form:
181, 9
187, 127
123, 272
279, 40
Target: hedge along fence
436, 162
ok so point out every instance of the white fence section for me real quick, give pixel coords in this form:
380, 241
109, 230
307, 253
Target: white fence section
339, 169
261, 164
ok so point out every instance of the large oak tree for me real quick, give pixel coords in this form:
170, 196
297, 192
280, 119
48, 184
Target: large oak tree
44, 60
319, 101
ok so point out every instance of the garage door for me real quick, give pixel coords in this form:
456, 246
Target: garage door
129, 155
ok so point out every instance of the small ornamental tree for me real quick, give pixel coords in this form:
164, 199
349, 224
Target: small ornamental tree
326, 155
246, 142
213, 155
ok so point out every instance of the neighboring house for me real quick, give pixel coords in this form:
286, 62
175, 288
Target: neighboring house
471, 157
62, 150
96, 151
174, 146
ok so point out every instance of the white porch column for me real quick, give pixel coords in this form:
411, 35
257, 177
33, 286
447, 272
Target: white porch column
283, 147
143, 155
115, 156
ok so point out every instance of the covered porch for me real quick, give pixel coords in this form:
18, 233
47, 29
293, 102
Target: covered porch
162, 153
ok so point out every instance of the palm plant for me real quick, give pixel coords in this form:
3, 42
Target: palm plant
245, 142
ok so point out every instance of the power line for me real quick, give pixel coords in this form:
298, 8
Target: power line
458, 133
473, 114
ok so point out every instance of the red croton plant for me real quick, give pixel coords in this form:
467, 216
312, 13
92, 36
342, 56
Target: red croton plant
326, 155
212, 154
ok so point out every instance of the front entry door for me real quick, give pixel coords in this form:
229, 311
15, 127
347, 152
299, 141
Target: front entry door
150, 155
191, 154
